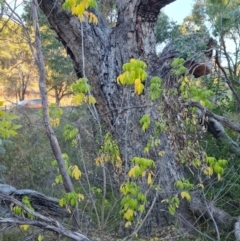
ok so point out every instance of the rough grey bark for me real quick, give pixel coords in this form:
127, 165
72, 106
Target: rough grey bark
105, 51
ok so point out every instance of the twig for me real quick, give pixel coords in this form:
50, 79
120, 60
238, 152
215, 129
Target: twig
224, 121
228, 81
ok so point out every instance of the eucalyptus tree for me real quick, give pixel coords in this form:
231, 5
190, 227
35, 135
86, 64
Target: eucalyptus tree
98, 53
153, 134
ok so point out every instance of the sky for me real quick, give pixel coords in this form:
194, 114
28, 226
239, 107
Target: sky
179, 9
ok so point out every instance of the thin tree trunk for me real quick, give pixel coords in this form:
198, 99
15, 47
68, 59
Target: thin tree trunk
67, 183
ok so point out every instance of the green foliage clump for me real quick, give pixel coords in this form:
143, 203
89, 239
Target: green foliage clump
193, 90
82, 92
155, 88
132, 202
177, 66
166, 28
145, 122
134, 73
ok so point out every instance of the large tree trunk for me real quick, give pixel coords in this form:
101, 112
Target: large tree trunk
105, 51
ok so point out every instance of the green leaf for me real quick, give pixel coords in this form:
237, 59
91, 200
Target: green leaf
141, 208
218, 169
222, 162
62, 202
172, 209
179, 184
145, 121
72, 202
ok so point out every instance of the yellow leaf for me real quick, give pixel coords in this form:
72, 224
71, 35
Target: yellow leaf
201, 185
215, 81
121, 79
99, 161
78, 99
202, 102
1, 103
124, 189
119, 163
78, 9
61, 202
185, 194
91, 100
146, 150
92, 18
54, 122
149, 179
86, 14
129, 214
24, 227
40, 237
161, 153
134, 171
165, 201
138, 87
81, 18
76, 173
208, 171
144, 174
80, 197
127, 224
198, 83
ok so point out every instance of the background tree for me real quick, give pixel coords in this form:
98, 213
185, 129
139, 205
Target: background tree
60, 72
166, 29
18, 70
59, 69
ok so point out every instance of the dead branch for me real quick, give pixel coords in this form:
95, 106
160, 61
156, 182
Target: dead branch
227, 79
224, 121
41, 203
40, 221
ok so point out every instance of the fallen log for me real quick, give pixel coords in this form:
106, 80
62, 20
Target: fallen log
41, 203
46, 207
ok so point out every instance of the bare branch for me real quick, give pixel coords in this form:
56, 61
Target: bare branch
224, 121
45, 226
46, 223
228, 80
